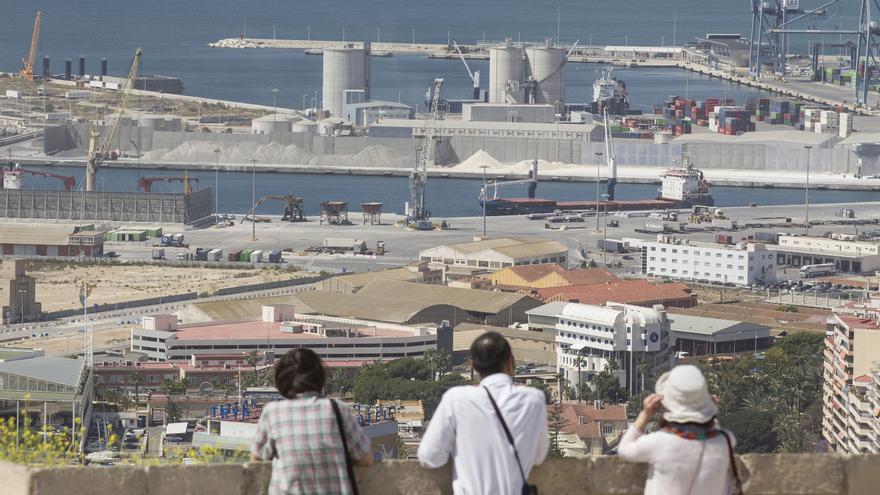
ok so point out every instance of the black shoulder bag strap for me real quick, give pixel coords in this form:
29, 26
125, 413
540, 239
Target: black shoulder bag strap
527, 489
349, 465
737, 481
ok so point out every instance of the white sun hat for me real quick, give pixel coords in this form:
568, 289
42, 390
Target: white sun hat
685, 396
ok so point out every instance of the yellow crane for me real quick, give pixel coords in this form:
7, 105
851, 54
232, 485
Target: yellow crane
97, 154
27, 64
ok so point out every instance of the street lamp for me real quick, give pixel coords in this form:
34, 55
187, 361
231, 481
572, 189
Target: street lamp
21, 293
304, 101
254, 199
309, 32
217, 184
485, 197
274, 109
413, 46
807, 192
598, 155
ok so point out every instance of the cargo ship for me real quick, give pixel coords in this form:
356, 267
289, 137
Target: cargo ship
681, 187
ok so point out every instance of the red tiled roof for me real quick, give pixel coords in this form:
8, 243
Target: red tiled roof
581, 276
625, 291
589, 427
863, 378
858, 322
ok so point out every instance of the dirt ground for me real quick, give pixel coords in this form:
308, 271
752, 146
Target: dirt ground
73, 343
58, 285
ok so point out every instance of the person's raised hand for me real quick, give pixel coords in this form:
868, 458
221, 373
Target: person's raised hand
651, 403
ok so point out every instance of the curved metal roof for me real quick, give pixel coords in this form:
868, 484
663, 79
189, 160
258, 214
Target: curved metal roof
597, 314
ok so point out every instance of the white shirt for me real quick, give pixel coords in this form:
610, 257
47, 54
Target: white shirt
675, 462
465, 426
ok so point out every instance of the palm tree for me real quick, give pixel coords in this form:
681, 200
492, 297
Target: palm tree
135, 378
253, 359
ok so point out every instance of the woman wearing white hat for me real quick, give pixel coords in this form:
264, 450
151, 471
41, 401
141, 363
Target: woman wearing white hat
689, 454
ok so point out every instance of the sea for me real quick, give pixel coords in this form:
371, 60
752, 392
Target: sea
174, 35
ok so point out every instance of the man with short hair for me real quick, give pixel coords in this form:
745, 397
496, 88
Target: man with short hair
466, 426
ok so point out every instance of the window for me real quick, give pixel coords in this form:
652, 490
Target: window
662, 250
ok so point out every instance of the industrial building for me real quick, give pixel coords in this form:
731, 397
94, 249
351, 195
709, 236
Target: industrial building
503, 112
851, 385
498, 253
848, 255
740, 264
18, 239
546, 275
528, 346
366, 113
353, 282
344, 69
18, 294
281, 329
636, 292
9, 354
588, 337
699, 336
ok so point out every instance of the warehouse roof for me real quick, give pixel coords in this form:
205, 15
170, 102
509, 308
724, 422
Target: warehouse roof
388, 307
579, 276
476, 329
712, 326
759, 137
476, 125
63, 371
472, 300
517, 247
360, 279
44, 234
636, 292
550, 310
862, 138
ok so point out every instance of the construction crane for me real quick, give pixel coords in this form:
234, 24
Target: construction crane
146, 183
474, 75
97, 154
27, 64
417, 213
293, 209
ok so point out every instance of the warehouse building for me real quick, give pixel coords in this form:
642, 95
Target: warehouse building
849, 256
528, 346
498, 253
637, 292
49, 240
279, 330
740, 264
698, 336
547, 275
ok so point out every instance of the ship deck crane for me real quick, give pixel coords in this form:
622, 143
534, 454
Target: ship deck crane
69, 182
474, 75
146, 183
532, 181
27, 64
97, 154
417, 214
293, 209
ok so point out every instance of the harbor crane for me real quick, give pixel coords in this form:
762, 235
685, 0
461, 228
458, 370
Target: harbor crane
67, 181
474, 75
611, 158
146, 183
27, 64
417, 214
531, 180
97, 154
293, 209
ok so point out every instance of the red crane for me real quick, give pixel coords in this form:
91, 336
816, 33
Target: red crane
146, 183
69, 182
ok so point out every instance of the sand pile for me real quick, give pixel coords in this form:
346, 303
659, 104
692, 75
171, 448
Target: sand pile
379, 156
478, 160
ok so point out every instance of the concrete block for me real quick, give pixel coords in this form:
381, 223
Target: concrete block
258, 475
613, 476
15, 479
863, 475
129, 480
793, 474
404, 478
196, 479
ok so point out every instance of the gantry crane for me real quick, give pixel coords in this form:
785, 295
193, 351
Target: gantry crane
27, 64
417, 214
97, 155
293, 209
146, 183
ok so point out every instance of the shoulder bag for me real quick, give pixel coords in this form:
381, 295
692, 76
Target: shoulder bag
349, 464
527, 489
737, 481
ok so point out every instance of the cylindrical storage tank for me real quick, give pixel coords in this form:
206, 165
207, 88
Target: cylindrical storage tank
104, 67
82, 66
45, 67
271, 125
68, 69
505, 66
546, 68
344, 68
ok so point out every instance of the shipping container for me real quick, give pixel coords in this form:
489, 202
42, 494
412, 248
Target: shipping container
257, 256
245, 255
765, 236
233, 255
723, 239
275, 257
202, 254
610, 245
215, 255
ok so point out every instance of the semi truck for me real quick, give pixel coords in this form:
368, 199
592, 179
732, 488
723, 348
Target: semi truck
819, 270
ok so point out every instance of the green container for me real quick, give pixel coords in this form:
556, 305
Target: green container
153, 232
245, 255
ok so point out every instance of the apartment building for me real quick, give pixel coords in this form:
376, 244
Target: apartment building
740, 264
850, 401
589, 338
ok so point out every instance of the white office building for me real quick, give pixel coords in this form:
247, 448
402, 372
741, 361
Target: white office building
740, 264
589, 337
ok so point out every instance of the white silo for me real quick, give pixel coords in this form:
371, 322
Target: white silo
505, 72
344, 68
546, 68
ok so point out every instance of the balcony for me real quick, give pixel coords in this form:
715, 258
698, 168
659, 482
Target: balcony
766, 474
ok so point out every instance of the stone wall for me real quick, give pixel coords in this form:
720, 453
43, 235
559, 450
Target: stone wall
764, 474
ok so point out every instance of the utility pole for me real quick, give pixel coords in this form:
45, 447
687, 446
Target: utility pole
485, 197
807, 193
598, 157
274, 110
217, 184
254, 199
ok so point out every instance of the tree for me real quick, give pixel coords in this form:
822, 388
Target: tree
438, 361
555, 423
173, 411
253, 359
606, 385
548, 397
752, 433
339, 382
135, 379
